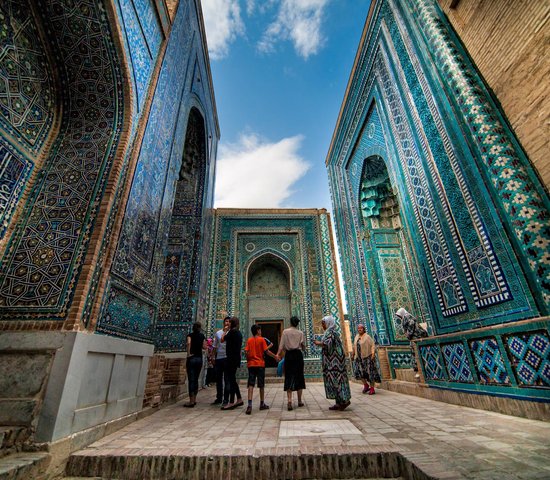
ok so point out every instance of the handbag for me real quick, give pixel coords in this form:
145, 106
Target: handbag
280, 368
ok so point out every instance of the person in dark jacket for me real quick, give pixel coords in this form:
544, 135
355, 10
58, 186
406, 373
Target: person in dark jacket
234, 343
196, 343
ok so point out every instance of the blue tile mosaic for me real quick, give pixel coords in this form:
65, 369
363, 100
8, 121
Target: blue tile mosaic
14, 172
456, 360
433, 365
529, 355
50, 241
489, 361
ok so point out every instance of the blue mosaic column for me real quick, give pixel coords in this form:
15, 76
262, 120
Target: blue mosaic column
517, 190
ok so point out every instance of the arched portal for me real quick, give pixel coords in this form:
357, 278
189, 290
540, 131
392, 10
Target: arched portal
383, 240
182, 266
268, 280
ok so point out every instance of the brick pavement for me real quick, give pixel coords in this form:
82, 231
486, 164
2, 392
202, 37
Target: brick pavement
443, 440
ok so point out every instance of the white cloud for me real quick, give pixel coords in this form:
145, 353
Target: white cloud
255, 173
223, 23
298, 21
250, 5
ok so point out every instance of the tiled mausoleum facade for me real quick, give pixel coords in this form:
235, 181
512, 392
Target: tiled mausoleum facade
108, 142
438, 210
270, 264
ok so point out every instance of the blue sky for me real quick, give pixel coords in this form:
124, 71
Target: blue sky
280, 69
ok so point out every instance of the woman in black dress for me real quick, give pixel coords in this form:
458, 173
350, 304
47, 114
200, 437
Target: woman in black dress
293, 344
234, 341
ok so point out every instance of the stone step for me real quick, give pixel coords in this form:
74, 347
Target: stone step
12, 438
24, 465
375, 465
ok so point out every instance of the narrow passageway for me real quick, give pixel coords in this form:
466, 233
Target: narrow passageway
441, 440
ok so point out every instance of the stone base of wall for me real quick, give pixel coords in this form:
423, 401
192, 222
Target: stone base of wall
507, 406
60, 383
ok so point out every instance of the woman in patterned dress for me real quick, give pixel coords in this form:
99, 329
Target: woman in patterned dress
333, 357
363, 356
412, 331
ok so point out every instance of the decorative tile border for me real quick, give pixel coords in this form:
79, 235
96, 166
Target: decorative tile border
505, 360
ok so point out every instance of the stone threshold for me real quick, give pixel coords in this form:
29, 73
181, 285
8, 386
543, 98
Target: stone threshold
371, 465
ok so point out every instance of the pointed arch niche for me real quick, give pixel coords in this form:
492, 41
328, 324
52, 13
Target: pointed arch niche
182, 265
268, 292
384, 244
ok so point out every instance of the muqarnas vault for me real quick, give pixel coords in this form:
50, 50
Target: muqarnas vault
439, 210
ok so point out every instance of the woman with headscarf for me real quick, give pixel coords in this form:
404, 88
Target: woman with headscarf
363, 356
292, 344
412, 331
333, 357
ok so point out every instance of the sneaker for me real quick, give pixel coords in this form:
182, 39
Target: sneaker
249, 410
264, 407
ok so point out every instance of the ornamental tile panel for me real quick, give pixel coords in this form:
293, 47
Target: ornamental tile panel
50, 242
433, 364
458, 365
15, 169
489, 362
529, 355
27, 92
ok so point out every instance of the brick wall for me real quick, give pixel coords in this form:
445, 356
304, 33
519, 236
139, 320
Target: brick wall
153, 385
165, 380
509, 42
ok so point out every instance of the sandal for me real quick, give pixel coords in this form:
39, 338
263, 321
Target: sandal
289, 406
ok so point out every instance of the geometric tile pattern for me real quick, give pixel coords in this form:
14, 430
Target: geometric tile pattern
41, 266
297, 245
138, 260
395, 286
144, 36
529, 355
14, 172
431, 358
180, 284
457, 362
483, 272
159, 248
27, 94
516, 188
489, 362
329, 275
449, 291
400, 359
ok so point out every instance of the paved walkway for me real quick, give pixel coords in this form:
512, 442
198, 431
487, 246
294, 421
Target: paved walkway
445, 441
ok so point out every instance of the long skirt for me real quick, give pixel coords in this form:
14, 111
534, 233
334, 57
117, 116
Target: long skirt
365, 369
294, 370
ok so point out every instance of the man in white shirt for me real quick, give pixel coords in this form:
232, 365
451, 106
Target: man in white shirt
222, 383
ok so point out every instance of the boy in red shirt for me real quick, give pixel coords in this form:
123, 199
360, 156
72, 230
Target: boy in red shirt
255, 348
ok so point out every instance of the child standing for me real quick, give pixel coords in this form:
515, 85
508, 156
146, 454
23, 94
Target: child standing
255, 348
